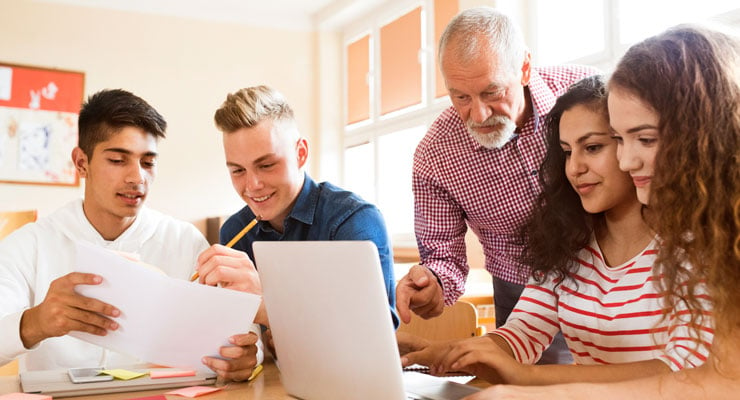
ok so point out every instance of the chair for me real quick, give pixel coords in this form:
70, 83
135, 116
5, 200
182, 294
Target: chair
458, 321
10, 221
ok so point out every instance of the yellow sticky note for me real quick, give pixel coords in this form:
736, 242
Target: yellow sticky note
122, 374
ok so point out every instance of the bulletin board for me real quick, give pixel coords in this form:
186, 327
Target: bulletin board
38, 124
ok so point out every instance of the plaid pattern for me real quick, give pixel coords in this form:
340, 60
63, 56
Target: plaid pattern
457, 182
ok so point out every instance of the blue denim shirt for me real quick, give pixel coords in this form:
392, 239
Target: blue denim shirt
322, 212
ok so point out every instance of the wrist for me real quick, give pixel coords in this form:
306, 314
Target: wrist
30, 336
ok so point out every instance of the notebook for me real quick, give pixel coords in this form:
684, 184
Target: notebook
57, 383
333, 333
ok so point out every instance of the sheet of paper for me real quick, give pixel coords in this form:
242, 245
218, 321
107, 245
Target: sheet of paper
163, 320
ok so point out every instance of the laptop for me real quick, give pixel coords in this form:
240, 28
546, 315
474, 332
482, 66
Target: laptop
333, 333
57, 383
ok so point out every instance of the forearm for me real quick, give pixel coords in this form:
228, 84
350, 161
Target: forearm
440, 232
558, 374
502, 344
701, 383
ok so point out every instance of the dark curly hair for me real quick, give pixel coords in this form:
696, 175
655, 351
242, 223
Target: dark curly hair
559, 227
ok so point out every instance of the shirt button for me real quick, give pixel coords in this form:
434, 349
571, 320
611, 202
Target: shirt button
533, 172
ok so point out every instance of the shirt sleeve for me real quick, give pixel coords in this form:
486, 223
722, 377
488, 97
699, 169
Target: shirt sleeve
16, 253
684, 349
367, 223
440, 228
533, 323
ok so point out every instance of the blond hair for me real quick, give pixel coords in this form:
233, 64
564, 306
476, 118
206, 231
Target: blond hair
248, 107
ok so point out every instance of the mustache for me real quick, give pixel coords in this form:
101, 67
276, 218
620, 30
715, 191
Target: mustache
492, 121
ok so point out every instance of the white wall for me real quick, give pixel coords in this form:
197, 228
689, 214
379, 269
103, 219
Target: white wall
183, 67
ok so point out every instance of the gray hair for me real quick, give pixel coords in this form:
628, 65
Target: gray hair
484, 30
248, 107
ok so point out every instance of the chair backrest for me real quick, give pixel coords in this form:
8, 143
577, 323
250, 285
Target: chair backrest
12, 220
458, 321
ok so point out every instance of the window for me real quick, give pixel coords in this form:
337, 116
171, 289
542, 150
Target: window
394, 68
394, 90
598, 32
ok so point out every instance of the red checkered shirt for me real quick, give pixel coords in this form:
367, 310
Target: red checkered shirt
456, 181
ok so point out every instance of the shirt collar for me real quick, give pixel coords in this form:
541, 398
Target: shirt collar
305, 206
542, 97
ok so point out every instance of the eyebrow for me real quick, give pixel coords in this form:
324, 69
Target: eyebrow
641, 128
257, 161
129, 152
490, 86
586, 137
634, 129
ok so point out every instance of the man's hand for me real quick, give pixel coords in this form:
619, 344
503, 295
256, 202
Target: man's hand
230, 268
63, 311
420, 292
408, 343
239, 359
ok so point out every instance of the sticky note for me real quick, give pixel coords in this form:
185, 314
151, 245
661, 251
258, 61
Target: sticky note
194, 391
170, 373
24, 396
122, 374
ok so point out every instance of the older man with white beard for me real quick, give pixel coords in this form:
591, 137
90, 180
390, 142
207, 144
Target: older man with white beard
477, 165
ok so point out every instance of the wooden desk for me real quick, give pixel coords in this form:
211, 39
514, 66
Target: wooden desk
266, 386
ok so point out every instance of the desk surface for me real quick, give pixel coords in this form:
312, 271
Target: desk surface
266, 386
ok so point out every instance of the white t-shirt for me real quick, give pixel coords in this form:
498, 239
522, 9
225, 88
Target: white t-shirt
36, 254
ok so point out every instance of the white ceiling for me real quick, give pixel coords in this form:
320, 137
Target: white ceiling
284, 14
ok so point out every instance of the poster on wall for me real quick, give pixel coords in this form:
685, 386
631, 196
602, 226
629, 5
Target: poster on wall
38, 124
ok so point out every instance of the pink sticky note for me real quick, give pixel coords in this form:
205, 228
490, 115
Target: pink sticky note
24, 396
170, 373
194, 391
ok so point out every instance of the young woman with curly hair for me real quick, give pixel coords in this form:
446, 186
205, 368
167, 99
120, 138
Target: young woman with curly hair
674, 103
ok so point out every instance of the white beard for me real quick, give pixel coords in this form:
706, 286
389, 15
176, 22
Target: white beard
496, 139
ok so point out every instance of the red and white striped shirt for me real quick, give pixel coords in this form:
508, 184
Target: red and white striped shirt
458, 182
608, 315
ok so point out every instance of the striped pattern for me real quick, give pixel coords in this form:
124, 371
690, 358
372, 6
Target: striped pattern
458, 183
607, 315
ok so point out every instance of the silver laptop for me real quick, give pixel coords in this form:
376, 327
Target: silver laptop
333, 333
57, 383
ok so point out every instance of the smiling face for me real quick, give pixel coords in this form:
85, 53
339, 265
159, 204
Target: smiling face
265, 163
591, 160
117, 178
488, 96
635, 127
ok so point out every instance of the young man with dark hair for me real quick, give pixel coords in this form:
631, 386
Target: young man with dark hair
117, 157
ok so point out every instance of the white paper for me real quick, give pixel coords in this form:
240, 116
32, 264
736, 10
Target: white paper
163, 320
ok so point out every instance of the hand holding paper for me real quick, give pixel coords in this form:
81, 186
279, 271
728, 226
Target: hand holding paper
64, 310
162, 320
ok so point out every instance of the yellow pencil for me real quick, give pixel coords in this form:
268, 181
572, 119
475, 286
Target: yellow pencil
255, 372
232, 242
